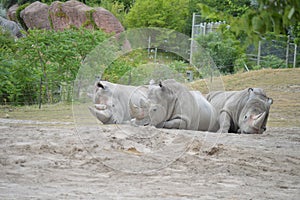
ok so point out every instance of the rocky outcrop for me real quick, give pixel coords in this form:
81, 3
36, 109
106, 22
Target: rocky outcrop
63, 15
107, 21
70, 13
11, 26
74, 13
36, 16
11, 12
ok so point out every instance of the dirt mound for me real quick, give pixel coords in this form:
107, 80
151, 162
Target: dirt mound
146, 163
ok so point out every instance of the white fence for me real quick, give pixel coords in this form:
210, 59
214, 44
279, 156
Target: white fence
202, 28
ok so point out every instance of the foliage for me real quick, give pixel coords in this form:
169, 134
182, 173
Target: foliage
271, 61
233, 8
2, 11
224, 51
240, 63
7, 48
37, 66
170, 14
8, 3
266, 16
19, 18
117, 8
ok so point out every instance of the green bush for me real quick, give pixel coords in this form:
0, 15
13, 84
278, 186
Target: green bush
239, 64
224, 51
272, 61
19, 18
34, 68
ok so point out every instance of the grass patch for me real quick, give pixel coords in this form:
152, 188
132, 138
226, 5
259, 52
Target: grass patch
61, 112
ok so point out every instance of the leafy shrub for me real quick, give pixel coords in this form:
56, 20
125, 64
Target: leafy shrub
239, 64
272, 61
256, 67
2, 11
37, 66
19, 18
224, 51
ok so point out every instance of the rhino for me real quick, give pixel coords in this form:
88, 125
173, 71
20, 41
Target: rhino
111, 101
171, 105
244, 111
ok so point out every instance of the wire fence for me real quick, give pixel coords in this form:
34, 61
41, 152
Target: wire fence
274, 53
280, 53
37, 93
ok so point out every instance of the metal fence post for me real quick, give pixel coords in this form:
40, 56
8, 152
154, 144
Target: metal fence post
287, 52
295, 56
192, 39
258, 53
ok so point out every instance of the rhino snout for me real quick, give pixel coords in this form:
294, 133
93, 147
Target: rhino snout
100, 106
253, 124
258, 120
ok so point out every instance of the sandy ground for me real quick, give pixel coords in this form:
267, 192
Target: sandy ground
60, 161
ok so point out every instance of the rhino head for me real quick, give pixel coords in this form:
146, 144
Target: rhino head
254, 115
106, 105
161, 100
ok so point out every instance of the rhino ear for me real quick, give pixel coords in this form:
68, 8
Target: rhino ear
160, 84
100, 85
270, 101
251, 92
151, 82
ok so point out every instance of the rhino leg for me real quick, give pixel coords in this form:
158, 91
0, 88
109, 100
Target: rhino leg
175, 124
224, 121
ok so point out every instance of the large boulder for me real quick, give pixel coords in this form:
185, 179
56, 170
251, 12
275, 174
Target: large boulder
11, 12
63, 15
36, 15
107, 21
74, 13
11, 26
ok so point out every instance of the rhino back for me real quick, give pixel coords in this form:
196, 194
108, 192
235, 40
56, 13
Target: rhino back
185, 104
208, 114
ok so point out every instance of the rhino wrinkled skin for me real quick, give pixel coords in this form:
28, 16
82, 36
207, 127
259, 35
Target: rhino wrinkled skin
171, 105
111, 101
243, 111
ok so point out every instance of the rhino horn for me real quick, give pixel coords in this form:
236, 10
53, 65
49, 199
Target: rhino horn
102, 115
134, 110
259, 120
100, 106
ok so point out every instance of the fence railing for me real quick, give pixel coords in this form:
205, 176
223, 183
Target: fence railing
282, 50
201, 28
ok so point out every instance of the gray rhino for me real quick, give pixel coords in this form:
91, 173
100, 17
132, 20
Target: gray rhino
171, 105
243, 111
111, 101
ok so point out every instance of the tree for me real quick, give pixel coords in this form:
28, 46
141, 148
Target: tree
223, 50
34, 67
170, 14
261, 17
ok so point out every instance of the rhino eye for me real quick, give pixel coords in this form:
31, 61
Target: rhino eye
154, 109
245, 117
